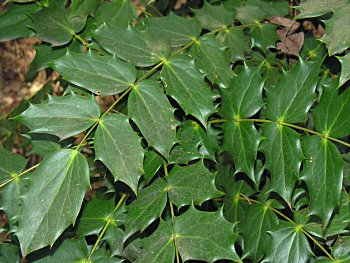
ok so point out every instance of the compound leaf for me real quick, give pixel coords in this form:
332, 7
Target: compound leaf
195, 233
191, 184
323, 174
119, 148
61, 116
57, 187
150, 109
186, 85
103, 75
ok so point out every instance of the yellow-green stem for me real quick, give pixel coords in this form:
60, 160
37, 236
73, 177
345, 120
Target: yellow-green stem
18, 175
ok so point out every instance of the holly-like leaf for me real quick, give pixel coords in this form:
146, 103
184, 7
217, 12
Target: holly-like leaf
213, 16
9, 253
332, 113
150, 109
57, 187
186, 85
191, 184
293, 96
94, 217
259, 220
143, 48
264, 36
345, 69
119, 148
289, 244
148, 206
159, 247
179, 30
195, 233
152, 162
11, 164
115, 239
61, 116
103, 75
284, 155
211, 59
53, 26
323, 174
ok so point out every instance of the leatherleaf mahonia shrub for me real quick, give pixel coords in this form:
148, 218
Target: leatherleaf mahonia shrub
182, 131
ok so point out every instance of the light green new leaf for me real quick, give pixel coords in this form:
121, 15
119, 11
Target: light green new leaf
289, 244
212, 59
254, 229
198, 238
94, 216
332, 113
103, 75
61, 116
116, 13
11, 164
158, 247
191, 184
52, 25
241, 140
150, 109
143, 48
213, 16
345, 69
284, 155
323, 174
57, 187
179, 30
186, 85
119, 148
290, 100
148, 206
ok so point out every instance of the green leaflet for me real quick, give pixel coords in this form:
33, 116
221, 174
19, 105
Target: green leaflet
345, 69
178, 30
148, 206
192, 184
119, 148
151, 164
195, 233
332, 113
264, 36
57, 187
186, 85
213, 17
211, 59
284, 155
288, 244
11, 164
63, 116
258, 221
9, 253
293, 96
159, 247
150, 109
143, 48
115, 239
103, 75
323, 174
341, 250
311, 8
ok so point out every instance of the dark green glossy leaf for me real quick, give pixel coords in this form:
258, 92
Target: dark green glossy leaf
211, 59
345, 69
94, 217
264, 36
152, 162
115, 239
179, 30
119, 148
323, 174
289, 245
83, 8
284, 156
11, 164
148, 206
159, 247
44, 147
57, 187
192, 184
9, 253
259, 220
61, 116
150, 109
341, 250
198, 238
186, 85
143, 48
103, 75
293, 96
213, 16
332, 113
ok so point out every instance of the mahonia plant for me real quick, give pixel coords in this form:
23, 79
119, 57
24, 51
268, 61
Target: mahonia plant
217, 146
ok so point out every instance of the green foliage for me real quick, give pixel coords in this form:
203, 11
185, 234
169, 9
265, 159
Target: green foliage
215, 145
